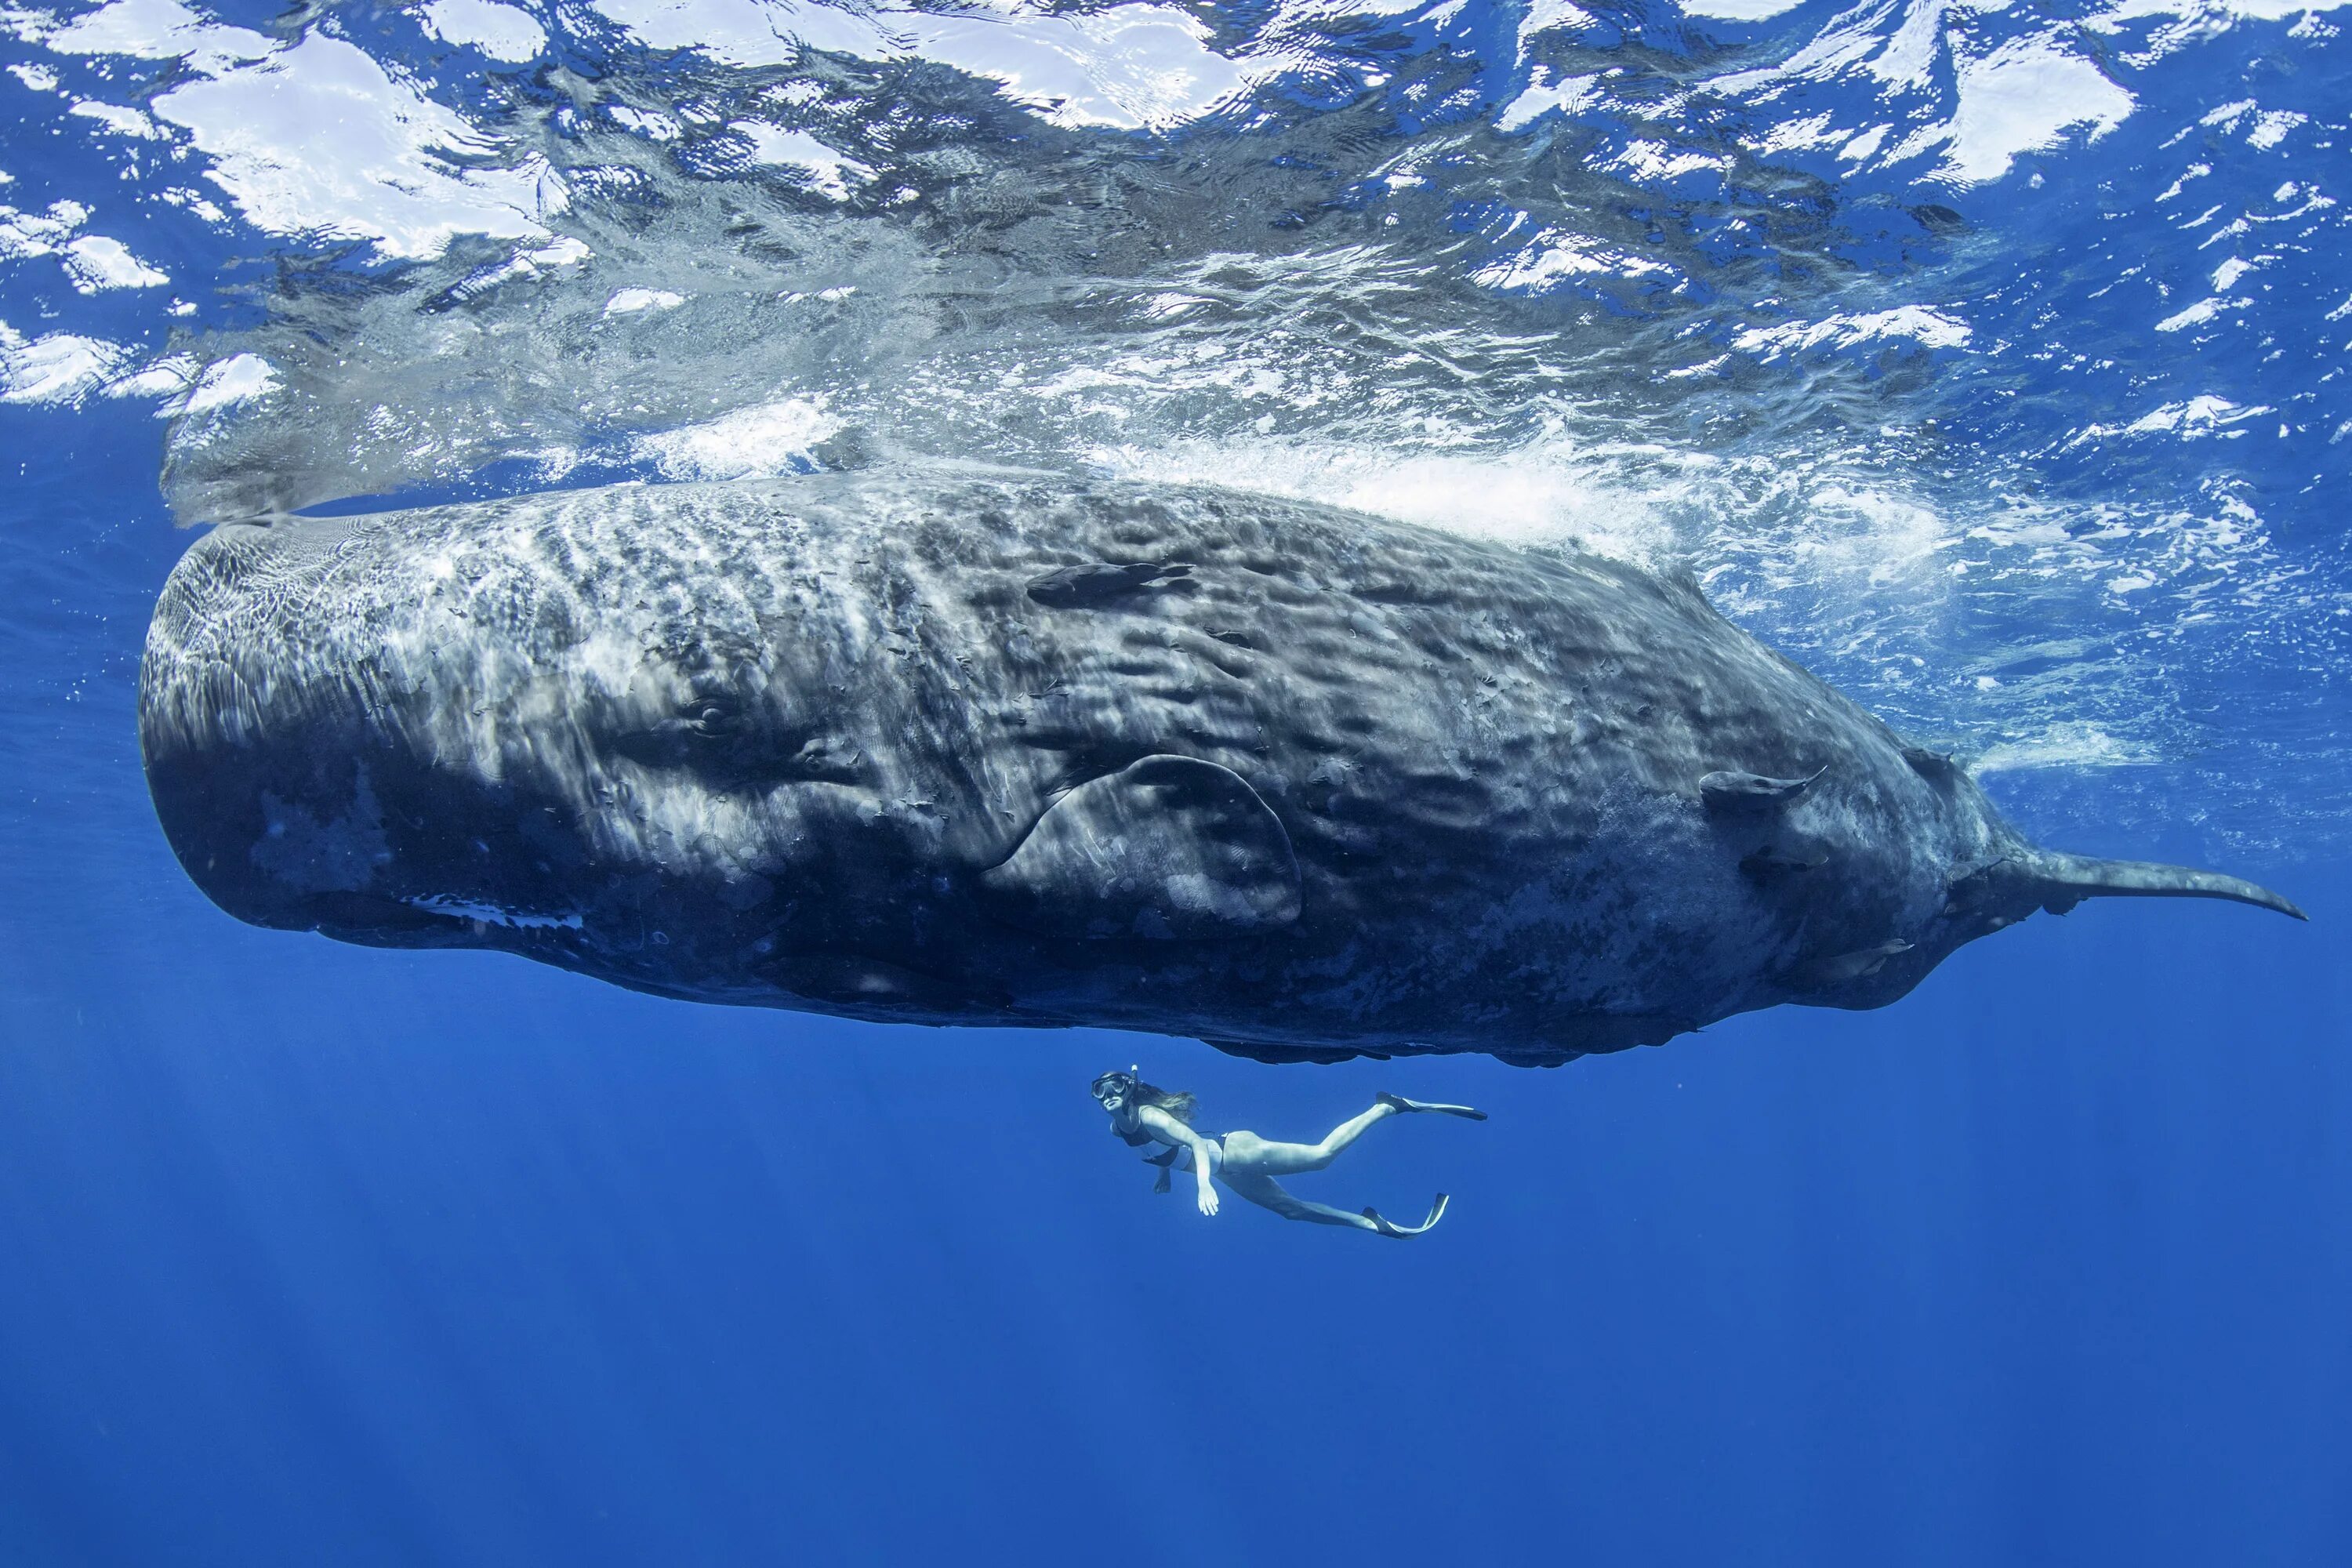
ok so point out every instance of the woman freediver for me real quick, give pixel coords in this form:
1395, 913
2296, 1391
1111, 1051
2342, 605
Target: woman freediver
1246, 1164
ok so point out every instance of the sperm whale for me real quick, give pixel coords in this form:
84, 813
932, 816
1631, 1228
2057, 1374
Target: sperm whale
954, 745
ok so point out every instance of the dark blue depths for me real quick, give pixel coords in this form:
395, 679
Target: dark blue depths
318, 1255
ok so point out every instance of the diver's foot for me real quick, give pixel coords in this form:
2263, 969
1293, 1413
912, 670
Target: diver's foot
1400, 1103
1389, 1227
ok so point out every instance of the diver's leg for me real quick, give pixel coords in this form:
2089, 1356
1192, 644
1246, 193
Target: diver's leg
1402, 1103
1249, 1152
1268, 1194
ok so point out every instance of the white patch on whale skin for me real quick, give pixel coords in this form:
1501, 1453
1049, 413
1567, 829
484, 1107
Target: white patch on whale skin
491, 915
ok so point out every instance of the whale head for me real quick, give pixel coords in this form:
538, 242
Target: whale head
404, 732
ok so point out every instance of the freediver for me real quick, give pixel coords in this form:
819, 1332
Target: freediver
1246, 1164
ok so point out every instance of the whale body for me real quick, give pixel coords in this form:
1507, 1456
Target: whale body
953, 745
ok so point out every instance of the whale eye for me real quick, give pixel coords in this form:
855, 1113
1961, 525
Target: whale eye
707, 730
712, 715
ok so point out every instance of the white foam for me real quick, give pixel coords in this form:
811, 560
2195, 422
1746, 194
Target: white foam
260, 123
2207, 14
1569, 95
2025, 95
2264, 128
122, 119
2226, 276
630, 301
2065, 745
1129, 67
2271, 128
1556, 256
651, 125
158, 30
1543, 17
167, 378
2202, 417
256, 108
1739, 10
1799, 135
63, 367
95, 262
1919, 323
2022, 98
1541, 496
24, 235
1643, 160
501, 32
830, 172
2199, 417
769, 439
1864, 146
2204, 311
240, 378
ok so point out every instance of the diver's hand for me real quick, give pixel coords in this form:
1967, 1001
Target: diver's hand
1208, 1198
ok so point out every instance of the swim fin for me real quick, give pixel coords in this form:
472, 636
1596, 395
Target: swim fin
1389, 1227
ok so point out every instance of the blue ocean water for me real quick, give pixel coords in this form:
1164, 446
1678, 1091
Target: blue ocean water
1989, 360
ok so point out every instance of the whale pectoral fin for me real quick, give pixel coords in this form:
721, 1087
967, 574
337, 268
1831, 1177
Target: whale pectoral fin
1731, 790
1776, 860
1823, 973
1167, 848
1936, 767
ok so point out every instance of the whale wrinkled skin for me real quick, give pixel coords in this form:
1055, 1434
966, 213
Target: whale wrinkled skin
954, 745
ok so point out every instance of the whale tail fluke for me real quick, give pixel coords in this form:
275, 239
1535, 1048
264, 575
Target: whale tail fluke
2065, 880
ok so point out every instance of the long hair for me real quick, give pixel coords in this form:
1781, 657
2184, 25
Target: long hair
1179, 1105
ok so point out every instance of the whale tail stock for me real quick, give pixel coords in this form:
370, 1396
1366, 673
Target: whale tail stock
2064, 880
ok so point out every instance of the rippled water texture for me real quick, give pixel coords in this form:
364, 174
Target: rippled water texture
1989, 360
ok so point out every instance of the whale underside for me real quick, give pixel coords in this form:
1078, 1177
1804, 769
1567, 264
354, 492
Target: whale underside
953, 745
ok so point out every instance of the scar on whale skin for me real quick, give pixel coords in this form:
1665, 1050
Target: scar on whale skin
1167, 848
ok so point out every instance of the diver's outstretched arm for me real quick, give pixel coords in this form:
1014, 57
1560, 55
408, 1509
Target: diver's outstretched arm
1167, 1130
1200, 1168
